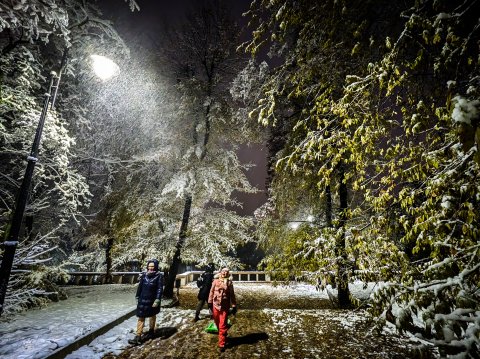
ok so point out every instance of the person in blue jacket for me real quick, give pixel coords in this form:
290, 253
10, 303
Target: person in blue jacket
149, 294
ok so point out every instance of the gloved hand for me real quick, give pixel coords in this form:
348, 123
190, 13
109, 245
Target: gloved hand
234, 310
156, 303
210, 306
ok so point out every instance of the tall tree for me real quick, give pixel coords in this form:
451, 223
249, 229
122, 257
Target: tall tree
127, 153
427, 174
204, 63
397, 126
314, 42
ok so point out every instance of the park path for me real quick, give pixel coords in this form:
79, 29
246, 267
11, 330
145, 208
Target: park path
281, 322
37, 333
278, 323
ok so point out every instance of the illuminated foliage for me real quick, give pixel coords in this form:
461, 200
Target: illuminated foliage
389, 92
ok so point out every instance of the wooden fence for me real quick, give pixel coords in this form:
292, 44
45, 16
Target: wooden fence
90, 278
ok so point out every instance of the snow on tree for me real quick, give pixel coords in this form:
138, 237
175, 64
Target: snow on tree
203, 60
127, 154
393, 97
178, 143
33, 37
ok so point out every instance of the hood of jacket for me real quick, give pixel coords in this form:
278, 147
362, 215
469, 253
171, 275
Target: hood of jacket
155, 264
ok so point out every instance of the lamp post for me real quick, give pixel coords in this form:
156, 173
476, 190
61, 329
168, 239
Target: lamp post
11, 242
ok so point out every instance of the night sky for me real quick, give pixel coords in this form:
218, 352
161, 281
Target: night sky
156, 15
145, 26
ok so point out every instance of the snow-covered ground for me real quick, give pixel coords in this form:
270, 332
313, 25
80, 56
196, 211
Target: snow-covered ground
295, 321
116, 339
38, 333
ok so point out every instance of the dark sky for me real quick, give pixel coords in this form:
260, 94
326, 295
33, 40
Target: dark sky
146, 25
257, 175
156, 15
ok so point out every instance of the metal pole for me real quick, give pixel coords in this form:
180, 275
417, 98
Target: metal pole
10, 245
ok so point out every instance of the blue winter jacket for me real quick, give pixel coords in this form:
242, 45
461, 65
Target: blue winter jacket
149, 289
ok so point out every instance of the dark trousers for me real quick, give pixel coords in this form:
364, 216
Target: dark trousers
200, 305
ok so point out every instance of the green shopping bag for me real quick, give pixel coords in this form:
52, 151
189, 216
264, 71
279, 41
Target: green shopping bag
212, 328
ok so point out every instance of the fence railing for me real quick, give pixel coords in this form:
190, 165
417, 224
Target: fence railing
237, 276
90, 278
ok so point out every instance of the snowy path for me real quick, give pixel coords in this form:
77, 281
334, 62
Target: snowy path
37, 333
116, 340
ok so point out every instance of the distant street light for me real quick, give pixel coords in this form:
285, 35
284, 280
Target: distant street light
104, 68
294, 225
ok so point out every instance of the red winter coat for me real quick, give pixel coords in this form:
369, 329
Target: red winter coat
222, 294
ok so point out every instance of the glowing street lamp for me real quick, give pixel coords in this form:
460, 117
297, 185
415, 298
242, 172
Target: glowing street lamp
105, 69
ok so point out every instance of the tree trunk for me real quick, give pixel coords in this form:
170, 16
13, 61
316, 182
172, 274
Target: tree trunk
29, 228
173, 270
328, 207
108, 261
342, 265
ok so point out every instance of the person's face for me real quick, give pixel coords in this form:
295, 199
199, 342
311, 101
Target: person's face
151, 267
225, 273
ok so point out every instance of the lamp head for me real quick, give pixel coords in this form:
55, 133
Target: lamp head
104, 67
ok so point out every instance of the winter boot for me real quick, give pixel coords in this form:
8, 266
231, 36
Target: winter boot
135, 341
196, 319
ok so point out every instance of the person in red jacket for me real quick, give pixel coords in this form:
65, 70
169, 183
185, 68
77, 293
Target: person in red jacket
222, 295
